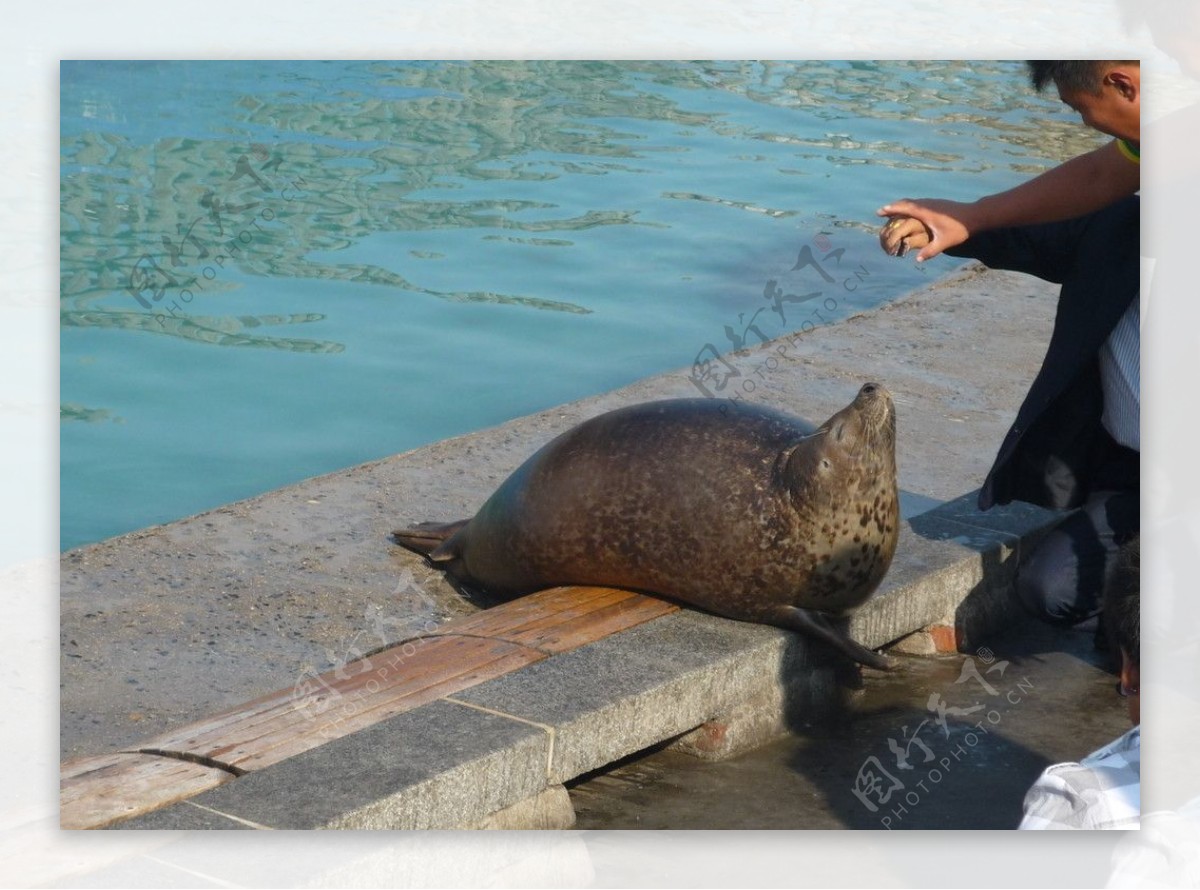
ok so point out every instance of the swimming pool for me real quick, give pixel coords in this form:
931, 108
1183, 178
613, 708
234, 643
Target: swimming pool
270, 270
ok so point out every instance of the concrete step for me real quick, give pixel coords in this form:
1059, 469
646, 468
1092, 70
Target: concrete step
496, 753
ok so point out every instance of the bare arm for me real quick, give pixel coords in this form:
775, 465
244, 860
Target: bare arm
1081, 185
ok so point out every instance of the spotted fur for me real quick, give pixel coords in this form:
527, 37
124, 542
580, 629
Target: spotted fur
737, 509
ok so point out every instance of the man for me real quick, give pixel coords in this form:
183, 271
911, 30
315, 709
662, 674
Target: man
1076, 441
1107, 96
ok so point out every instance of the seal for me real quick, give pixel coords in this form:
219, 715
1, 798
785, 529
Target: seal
736, 509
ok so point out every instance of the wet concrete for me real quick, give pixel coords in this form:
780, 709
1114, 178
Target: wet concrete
1049, 697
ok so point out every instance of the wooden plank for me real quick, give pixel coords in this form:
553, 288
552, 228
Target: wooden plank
367, 706
311, 692
437, 665
572, 631
511, 617
591, 613
368, 711
98, 791
321, 707
328, 706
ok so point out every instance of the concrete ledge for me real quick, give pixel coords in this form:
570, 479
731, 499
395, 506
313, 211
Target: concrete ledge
957, 570
549, 810
439, 766
630, 691
171, 624
497, 754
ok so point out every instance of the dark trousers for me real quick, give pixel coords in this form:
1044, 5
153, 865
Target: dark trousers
1062, 455
1064, 578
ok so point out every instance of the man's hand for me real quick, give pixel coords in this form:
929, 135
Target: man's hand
1081, 185
901, 234
931, 224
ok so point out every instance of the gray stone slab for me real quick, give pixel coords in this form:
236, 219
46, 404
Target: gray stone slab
924, 584
795, 703
994, 605
913, 504
653, 682
945, 572
437, 766
550, 810
1016, 518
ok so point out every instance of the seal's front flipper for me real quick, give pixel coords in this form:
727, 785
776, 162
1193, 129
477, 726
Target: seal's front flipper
428, 538
817, 625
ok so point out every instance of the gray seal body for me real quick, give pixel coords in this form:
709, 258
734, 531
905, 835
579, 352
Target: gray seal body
736, 509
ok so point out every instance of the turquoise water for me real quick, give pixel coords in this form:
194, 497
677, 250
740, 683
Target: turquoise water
272, 270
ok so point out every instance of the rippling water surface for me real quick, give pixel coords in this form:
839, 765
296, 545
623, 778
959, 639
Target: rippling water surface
271, 270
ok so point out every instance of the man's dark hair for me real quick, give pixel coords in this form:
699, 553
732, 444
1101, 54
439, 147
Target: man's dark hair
1122, 601
1072, 76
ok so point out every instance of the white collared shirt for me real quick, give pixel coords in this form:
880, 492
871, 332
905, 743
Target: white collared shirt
1101, 791
1121, 379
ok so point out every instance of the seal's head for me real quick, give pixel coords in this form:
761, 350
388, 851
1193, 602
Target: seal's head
867, 425
853, 452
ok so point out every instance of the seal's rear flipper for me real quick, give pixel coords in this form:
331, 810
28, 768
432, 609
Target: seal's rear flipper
427, 538
817, 625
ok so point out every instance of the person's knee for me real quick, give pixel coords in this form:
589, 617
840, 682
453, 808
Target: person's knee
1045, 594
1062, 579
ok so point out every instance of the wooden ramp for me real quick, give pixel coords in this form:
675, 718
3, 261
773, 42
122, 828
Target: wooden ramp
99, 791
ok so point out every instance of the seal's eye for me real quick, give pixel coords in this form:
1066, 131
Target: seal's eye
869, 388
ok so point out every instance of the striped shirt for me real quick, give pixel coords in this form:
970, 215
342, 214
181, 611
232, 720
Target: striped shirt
1101, 791
1121, 379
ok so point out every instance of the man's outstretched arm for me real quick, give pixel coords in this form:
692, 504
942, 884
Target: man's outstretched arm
1079, 186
